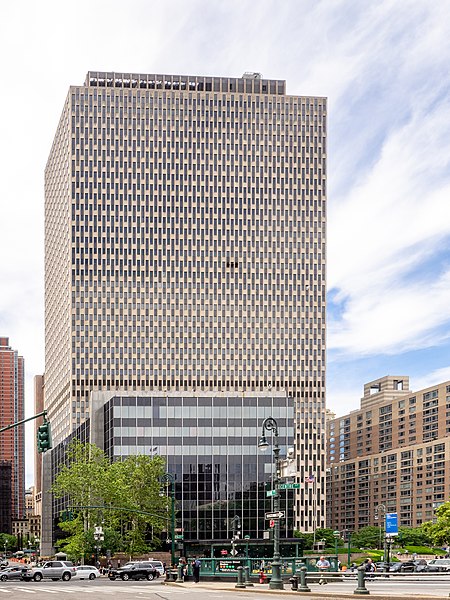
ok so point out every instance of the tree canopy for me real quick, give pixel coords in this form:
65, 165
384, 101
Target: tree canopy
131, 489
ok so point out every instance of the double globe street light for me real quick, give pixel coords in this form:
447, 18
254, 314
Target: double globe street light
269, 424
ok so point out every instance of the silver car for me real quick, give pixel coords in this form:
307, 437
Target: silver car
52, 569
13, 573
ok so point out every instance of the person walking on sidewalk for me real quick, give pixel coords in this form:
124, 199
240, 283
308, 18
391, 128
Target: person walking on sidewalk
196, 569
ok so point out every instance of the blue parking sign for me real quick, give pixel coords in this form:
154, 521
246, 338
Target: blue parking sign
391, 524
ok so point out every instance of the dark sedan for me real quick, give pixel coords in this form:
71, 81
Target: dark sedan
134, 570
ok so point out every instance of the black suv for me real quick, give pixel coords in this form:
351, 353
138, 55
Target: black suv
134, 570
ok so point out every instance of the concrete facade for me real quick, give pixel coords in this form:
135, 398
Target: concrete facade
185, 249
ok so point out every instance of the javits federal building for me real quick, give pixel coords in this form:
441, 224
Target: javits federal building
185, 285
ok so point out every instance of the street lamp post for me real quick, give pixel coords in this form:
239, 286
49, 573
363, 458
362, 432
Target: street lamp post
37, 543
380, 511
269, 424
336, 535
170, 479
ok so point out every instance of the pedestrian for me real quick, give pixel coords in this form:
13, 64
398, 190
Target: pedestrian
323, 565
183, 564
196, 564
369, 567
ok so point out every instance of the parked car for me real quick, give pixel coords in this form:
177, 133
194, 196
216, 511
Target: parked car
52, 569
382, 567
421, 565
158, 566
87, 572
406, 566
13, 573
439, 565
135, 570
4, 563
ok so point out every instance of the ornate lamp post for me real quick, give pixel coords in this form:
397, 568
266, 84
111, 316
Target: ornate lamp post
169, 479
269, 424
380, 511
336, 535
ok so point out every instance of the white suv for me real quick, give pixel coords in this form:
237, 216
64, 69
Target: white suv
158, 565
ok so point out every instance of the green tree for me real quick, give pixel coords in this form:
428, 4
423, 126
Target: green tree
367, 537
439, 532
135, 484
89, 479
414, 536
9, 540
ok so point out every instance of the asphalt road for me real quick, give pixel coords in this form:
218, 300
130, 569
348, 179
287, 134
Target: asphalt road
438, 587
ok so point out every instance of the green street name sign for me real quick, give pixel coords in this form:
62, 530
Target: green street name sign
179, 537
289, 486
271, 493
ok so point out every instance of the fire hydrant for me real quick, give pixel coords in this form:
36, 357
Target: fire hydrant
262, 577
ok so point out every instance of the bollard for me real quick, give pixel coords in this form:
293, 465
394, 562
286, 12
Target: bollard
240, 578
361, 589
247, 581
294, 583
180, 569
303, 587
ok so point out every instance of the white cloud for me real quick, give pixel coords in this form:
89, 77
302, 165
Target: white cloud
431, 379
382, 64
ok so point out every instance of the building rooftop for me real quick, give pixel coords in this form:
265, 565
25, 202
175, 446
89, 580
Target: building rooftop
249, 83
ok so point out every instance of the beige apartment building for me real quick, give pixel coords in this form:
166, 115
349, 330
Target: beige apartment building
185, 249
394, 452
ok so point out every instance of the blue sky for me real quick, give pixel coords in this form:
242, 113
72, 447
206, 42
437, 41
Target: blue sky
384, 66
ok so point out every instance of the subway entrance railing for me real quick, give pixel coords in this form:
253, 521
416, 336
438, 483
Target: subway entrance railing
227, 567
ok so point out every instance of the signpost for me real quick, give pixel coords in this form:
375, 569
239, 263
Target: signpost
275, 515
289, 486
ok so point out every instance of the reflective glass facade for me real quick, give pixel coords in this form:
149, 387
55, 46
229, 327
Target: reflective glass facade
210, 444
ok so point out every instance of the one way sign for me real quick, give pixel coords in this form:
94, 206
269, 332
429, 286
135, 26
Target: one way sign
275, 515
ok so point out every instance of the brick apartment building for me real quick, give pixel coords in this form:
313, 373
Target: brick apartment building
392, 452
12, 448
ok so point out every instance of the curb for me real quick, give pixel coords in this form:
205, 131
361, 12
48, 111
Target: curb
311, 595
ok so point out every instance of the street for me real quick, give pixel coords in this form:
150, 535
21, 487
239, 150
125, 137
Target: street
438, 586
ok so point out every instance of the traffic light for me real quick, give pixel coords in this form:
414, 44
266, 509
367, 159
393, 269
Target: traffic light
44, 437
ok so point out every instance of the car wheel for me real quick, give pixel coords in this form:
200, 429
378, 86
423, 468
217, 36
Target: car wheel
150, 576
3, 578
125, 577
91, 576
37, 577
66, 576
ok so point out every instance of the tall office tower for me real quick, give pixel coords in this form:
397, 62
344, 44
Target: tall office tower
12, 448
185, 248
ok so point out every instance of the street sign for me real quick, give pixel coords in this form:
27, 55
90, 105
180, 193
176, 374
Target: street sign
289, 486
233, 552
179, 529
179, 537
391, 524
271, 493
275, 515
224, 552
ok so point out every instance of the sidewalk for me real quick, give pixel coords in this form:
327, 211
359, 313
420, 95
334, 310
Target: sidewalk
315, 593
